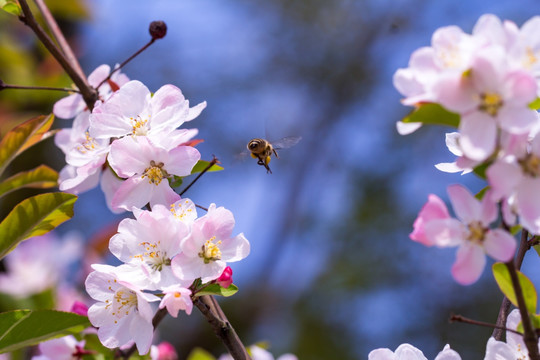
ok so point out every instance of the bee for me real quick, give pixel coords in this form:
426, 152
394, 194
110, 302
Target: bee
262, 149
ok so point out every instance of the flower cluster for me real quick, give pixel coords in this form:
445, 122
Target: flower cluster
135, 133
490, 79
163, 251
130, 142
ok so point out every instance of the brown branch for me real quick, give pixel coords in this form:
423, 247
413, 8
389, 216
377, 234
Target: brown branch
211, 310
59, 37
88, 93
504, 310
530, 336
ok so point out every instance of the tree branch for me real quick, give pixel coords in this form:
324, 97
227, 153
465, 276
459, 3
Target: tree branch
530, 337
222, 328
88, 93
504, 310
59, 37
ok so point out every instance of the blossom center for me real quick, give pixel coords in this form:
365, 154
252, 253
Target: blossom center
88, 145
123, 301
210, 250
490, 103
139, 126
155, 173
531, 165
476, 232
530, 58
180, 212
154, 257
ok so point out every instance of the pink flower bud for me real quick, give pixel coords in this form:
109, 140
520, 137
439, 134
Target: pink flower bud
226, 278
166, 351
79, 308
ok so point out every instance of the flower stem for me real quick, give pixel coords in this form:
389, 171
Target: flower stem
212, 163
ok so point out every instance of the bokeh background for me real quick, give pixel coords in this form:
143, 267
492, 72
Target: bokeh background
332, 273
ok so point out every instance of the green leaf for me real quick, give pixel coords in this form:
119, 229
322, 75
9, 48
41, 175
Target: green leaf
502, 277
34, 216
480, 170
175, 181
22, 137
203, 164
216, 289
22, 328
481, 193
200, 354
535, 104
431, 113
41, 177
11, 6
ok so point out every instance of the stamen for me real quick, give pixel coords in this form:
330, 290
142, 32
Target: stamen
490, 103
210, 251
155, 173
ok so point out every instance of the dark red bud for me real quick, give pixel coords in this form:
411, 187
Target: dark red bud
158, 29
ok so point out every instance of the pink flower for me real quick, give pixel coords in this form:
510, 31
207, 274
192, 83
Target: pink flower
432, 210
225, 280
409, 352
147, 168
209, 247
471, 233
122, 313
150, 241
176, 298
491, 95
133, 110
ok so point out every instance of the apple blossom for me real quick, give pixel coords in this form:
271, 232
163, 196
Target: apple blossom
85, 156
471, 233
122, 313
151, 240
491, 95
133, 110
147, 168
176, 298
73, 105
515, 179
209, 247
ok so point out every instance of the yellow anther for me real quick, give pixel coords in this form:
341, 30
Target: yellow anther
490, 103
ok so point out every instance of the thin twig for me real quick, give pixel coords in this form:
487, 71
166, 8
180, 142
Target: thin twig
459, 318
89, 94
23, 87
504, 310
126, 61
59, 37
212, 163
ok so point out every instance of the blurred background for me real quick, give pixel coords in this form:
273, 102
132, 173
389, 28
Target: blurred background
332, 273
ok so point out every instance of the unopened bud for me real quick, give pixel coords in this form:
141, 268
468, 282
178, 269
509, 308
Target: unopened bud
158, 29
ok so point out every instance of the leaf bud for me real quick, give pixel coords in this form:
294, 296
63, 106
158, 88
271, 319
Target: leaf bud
158, 29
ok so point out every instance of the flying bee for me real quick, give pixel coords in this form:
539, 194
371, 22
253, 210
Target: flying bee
262, 149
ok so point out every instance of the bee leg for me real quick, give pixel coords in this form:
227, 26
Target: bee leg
275, 153
266, 162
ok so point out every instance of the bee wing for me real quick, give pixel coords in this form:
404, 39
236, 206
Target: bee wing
241, 156
286, 142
